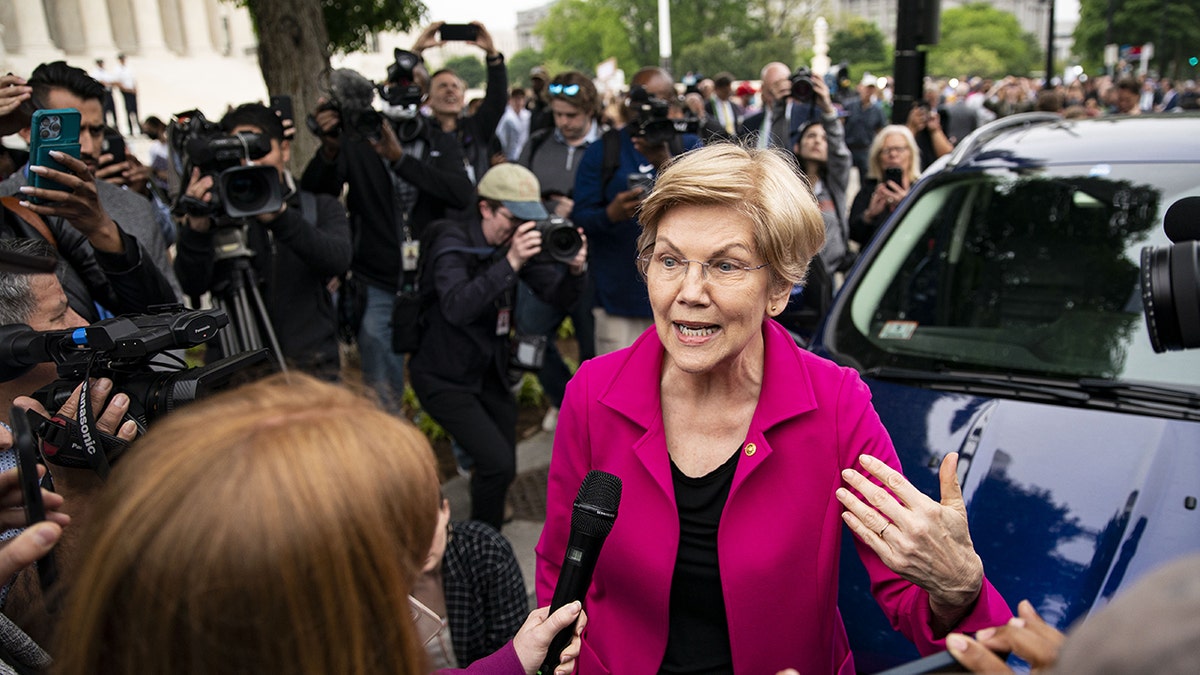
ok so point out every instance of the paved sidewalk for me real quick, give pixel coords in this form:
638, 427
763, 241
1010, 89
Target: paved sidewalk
533, 460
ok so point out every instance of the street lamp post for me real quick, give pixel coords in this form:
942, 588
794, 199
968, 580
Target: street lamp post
1050, 49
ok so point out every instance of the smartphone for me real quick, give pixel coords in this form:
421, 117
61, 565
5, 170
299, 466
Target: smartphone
113, 144
642, 180
894, 176
941, 662
31, 489
282, 105
56, 129
461, 32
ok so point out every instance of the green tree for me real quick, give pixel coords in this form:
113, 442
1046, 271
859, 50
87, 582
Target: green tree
296, 37
748, 34
519, 65
861, 44
469, 68
581, 34
977, 35
1173, 27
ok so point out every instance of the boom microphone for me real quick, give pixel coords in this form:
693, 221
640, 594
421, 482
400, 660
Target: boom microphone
592, 518
1181, 222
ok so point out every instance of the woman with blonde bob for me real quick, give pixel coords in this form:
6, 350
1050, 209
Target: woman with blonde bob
275, 528
742, 455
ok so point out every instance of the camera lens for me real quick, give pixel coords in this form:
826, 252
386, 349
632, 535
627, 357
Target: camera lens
1171, 295
246, 191
560, 241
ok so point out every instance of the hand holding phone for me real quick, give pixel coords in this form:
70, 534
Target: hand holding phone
458, 32
894, 175
50, 130
113, 144
31, 490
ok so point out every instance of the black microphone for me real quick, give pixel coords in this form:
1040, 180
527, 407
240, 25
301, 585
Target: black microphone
592, 518
1181, 222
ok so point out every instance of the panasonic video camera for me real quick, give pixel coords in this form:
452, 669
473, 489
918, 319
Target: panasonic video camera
122, 349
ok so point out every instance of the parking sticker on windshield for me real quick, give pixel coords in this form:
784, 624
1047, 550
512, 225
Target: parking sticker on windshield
897, 330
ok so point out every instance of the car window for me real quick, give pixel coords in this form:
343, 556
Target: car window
1034, 272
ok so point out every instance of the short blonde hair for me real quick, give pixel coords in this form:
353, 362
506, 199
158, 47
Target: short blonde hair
274, 528
764, 185
875, 153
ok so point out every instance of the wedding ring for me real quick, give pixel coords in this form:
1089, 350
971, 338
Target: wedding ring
885, 527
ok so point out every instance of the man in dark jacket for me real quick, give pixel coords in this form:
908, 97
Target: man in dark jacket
398, 184
469, 281
296, 251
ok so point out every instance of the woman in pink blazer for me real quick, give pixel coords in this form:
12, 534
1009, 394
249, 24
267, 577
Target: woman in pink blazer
742, 455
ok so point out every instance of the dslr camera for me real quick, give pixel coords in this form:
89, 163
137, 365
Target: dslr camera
652, 119
239, 191
802, 85
560, 240
121, 349
1170, 280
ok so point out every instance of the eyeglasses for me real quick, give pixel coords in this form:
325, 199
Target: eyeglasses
722, 271
895, 150
564, 89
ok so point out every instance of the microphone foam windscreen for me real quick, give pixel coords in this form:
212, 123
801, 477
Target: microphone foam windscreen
596, 505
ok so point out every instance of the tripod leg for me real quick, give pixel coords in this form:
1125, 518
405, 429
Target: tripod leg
267, 327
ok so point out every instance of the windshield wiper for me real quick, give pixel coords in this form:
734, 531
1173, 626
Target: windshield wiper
980, 383
1142, 392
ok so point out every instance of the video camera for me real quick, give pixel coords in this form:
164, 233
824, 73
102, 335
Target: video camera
652, 119
241, 191
1170, 279
351, 95
121, 349
560, 240
802, 85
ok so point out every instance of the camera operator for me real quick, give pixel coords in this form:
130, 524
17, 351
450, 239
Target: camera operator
295, 253
107, 265
468, 287
607, 197
396, 189
782, 113
447, 97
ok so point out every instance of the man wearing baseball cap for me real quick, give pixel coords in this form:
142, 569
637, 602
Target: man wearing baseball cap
468, 287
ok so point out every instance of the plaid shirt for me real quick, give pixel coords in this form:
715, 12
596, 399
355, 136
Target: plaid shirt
486, 601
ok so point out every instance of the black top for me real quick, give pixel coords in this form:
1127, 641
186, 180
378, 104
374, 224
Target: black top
698, 632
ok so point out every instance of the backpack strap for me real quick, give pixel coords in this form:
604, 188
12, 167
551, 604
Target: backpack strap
612, 157
536, 140
308, 207
29, 216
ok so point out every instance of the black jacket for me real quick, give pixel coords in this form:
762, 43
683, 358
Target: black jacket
439, 175
123, 283
293, 261
463, 295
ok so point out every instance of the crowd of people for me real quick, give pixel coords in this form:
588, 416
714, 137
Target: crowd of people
690, 233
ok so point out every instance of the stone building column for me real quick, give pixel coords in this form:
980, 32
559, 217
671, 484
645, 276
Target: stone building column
97, 27
195, 27
148, 20
34, 29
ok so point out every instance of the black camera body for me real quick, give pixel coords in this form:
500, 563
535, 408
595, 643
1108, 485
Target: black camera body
121, 349
651, 117
1170, 280
802, 85
351, 96
239, 191
560, 240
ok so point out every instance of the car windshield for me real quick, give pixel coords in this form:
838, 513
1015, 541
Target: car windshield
1032, 272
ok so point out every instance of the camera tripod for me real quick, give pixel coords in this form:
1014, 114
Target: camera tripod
235, 290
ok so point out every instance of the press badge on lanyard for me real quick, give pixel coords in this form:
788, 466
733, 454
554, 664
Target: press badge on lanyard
503, 320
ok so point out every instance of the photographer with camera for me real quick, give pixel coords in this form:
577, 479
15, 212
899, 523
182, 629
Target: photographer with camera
296, 249
447, 98
468, 289
787, 105
399, 181
615, 174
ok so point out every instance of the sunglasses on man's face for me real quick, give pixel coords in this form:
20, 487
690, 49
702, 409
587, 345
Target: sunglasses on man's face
564, 89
